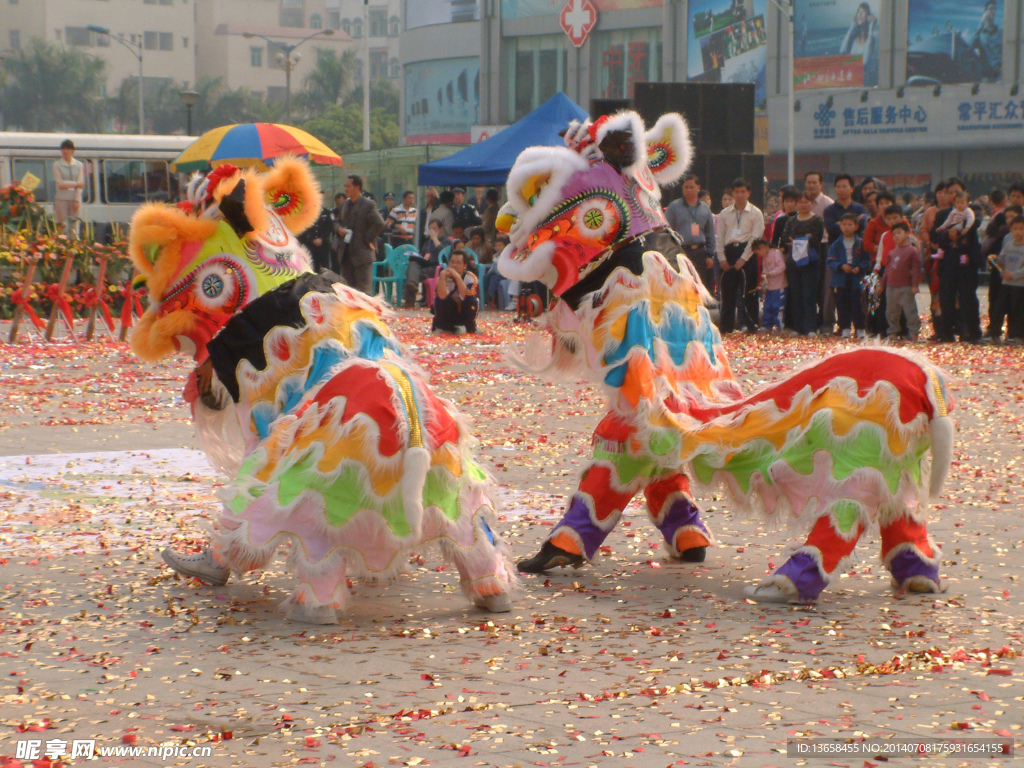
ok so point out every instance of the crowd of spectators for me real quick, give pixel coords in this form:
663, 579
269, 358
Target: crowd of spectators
853, 265
811, 264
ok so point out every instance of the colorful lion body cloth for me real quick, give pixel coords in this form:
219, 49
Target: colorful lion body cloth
333, 439
836, 447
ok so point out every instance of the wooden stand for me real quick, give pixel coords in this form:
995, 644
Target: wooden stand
55, 311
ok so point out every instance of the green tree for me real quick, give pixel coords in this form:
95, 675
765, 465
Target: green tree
326, 85
50, 88
341, 128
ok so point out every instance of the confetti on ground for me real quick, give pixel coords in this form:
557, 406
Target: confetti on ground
631, 661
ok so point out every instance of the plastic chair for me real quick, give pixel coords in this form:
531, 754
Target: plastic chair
397, 261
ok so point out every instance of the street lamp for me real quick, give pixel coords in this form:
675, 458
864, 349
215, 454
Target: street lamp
286, 54
136, 49
189, 98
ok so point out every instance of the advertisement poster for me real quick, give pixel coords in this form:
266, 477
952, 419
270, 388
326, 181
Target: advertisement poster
525, 9
954, 41
442, 100
728, 44
422, 13
836, 44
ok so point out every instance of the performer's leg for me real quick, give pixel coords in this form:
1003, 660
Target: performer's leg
806, 574
594, 510
677, 517
910, 555
483, 575
322, 589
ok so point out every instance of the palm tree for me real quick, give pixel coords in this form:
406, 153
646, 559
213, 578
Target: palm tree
326, 85
51, 88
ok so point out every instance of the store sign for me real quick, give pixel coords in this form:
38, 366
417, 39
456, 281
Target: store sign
919, 120
578, 17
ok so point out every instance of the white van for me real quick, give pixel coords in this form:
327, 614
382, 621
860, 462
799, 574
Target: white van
122, 170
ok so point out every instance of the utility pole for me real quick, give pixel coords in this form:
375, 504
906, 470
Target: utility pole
366, 76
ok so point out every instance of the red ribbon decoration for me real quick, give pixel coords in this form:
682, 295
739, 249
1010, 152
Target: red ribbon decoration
91, 298
54, 294
22, 301
131, 301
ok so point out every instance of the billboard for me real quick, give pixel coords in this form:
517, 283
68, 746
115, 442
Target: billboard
954, 41
442, 100
728, 44
422, 13
525, 9
836, 44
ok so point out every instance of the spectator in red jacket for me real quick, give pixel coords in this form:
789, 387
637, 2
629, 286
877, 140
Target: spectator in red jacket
877, 227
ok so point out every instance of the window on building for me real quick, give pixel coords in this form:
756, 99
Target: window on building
393, 26
357, 28
14, 39
275, 56
378, 23
184, 43
276, 93
151, 40
394, 68
78, 36
359, 70
166, 2
334, 18
135, 181
256, 57
537, 66
378, 64
292, 13
316, 21
623, 58
166, 41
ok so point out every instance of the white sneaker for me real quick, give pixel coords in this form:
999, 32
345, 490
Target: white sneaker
862, 334
812, 335
499, 603
846, 333
771, 592
200, 565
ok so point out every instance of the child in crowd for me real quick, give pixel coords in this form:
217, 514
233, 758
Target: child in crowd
773, 268
961, 218
848, 263
900, 282
1011, 263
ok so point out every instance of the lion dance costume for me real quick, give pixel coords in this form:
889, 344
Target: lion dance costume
333, 439
835, 447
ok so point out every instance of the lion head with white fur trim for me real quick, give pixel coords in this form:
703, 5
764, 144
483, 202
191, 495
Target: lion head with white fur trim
233, 240
569, 205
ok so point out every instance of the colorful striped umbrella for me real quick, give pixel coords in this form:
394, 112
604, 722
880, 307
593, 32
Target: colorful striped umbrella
252, 145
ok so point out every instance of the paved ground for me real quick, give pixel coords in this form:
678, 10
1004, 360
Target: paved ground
632, 661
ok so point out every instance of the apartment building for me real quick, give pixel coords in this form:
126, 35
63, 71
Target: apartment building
163, 31
236, 39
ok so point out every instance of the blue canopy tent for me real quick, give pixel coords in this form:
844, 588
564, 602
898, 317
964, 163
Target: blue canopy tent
488, 163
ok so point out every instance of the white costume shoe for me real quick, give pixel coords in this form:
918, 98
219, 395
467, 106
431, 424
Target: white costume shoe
201, 565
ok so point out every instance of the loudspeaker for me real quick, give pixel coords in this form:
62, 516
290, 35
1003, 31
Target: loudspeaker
720, 115
718, 171
600, 107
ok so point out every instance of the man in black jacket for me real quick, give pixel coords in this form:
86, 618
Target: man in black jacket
958, 274
317, 240
358, 228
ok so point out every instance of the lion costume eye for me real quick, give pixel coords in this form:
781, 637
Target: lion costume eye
217, 288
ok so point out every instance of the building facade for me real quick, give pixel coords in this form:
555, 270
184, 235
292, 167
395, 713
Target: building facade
165, 29
909, 90
224, 51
